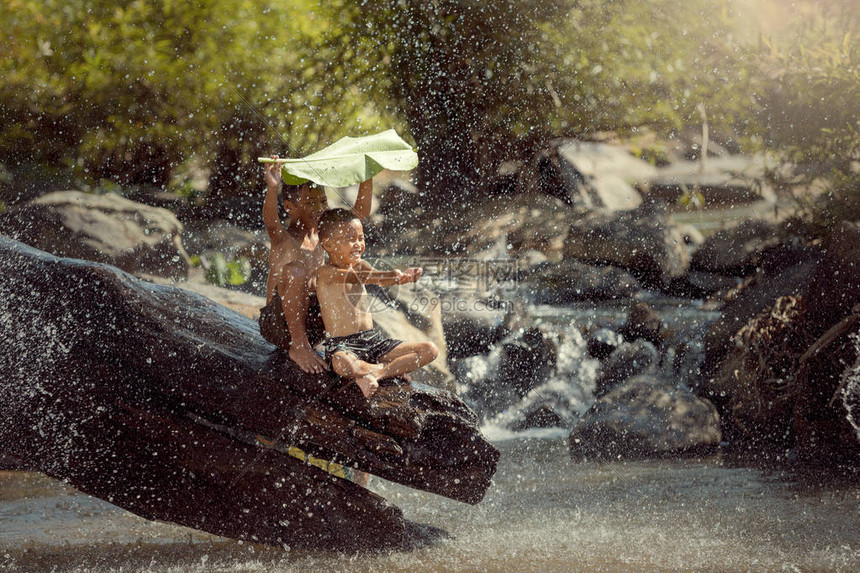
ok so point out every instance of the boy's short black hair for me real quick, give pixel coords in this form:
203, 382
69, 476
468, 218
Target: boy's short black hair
331, 218
291, 192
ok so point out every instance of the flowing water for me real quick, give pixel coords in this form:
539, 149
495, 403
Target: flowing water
543, 513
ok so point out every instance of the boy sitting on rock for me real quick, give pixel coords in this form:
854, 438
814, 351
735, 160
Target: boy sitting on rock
353, 346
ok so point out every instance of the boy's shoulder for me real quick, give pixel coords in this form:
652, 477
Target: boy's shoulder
283, 241
327, 273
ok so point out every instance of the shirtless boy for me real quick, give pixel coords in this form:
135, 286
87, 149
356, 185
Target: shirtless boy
291, 318
356, 349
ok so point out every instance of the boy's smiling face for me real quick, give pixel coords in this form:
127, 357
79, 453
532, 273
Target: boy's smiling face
345, 244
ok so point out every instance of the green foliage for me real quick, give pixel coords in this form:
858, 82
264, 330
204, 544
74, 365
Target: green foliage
483, 83
812, 114
691, 197
137, 92
134, 91
624, 65
459, 71
222, 272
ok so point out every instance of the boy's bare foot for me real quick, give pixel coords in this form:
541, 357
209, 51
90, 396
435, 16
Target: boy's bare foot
368, 384
307, 359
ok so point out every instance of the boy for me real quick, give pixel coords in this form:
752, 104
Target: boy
291, 318
356, 349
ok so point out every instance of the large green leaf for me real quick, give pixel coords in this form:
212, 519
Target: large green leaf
350, 160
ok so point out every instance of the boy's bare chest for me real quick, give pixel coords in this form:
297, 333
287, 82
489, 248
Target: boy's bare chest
310, 256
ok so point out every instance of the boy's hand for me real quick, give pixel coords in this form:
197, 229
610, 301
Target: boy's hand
273, 175
410, 275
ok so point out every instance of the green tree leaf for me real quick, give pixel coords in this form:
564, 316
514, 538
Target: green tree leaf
350, 160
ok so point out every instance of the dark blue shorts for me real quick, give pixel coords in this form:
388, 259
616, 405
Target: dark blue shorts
367, 345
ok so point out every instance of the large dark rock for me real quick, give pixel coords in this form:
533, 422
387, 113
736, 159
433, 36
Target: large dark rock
698, 284
646, 417
643, 241
105, 228
602, 343
780, 379
643, 322
753, 385
835, 287
538, 416
628, 360
527, 361
572, 281
736, 250
826, 389
472, 326
522, 362
152, 398
756, 295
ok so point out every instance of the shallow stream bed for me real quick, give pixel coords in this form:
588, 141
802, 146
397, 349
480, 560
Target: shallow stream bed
544, 512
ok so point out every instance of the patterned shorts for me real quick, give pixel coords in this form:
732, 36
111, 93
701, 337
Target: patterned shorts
367, 345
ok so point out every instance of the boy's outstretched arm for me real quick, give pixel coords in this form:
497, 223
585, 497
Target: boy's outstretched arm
363, 200
369, 275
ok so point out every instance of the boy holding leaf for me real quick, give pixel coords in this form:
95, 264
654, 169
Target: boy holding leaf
291, 318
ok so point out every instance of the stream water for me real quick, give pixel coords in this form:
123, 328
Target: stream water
543, 513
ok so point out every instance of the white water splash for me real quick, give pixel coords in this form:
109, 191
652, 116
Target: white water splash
851, 389
568, 391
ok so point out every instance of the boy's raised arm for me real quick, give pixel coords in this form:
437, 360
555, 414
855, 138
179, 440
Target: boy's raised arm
366, 274
363, 200
271, 218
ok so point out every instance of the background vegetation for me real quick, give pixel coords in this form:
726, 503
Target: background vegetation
160, 93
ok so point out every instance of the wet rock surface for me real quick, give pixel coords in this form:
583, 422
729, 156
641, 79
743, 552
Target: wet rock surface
104, 228
758, 293
603, 342
783, 380
629, 359
472, 328
527, 361
643, 322
646, 417
737, 250
643, 241
572, 280
153, 398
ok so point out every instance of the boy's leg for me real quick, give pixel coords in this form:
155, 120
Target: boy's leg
407, 357
365, 374
348, 365
293, 289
